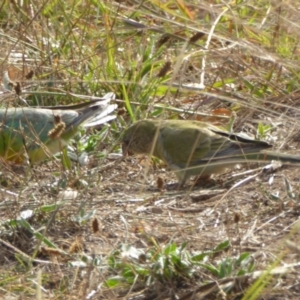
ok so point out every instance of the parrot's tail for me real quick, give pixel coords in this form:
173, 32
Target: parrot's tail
259, 156
96, 113
269, 155
252, 152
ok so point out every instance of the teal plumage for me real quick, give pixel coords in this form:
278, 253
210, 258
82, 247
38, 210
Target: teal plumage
31, 131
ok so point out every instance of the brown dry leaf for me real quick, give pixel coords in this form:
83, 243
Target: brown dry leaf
160, 183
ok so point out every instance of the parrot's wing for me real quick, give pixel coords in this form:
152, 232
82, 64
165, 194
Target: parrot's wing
29, 121
232, 146
185, 145
24, 128
242, 138
41, 132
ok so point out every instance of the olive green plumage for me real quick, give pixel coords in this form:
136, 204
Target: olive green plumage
39, 133
196, 148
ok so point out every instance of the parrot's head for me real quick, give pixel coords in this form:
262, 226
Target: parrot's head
138, 138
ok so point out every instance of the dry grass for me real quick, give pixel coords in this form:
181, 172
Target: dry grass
100, 231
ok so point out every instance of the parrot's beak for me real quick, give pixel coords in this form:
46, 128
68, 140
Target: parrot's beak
125, 150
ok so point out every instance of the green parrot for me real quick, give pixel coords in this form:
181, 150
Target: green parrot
196, 148
39, 133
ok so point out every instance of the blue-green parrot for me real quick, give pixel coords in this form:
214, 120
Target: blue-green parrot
38, 133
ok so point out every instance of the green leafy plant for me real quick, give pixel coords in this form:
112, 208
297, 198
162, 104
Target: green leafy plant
172, 263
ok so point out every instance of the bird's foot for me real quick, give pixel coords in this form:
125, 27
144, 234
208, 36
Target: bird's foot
174, 186
207, 182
